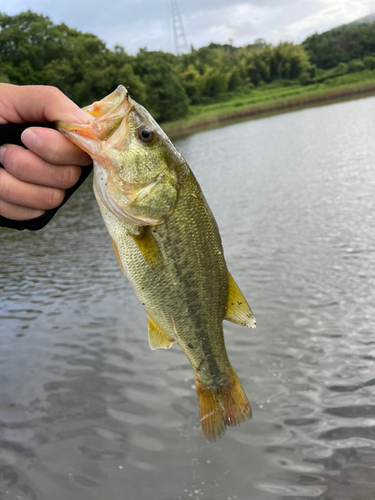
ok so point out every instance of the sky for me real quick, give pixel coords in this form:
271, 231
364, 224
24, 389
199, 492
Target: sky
134, 24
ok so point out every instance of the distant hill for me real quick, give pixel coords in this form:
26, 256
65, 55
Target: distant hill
350, 42
362, 20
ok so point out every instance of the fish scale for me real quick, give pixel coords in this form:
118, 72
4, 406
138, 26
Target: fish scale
178, 291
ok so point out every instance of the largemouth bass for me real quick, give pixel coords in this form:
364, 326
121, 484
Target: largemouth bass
168, 245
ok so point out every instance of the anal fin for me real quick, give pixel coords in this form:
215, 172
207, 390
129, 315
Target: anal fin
238, 310
156, 337
149, 249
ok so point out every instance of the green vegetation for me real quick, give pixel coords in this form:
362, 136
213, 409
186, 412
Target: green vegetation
341, 45
216, 83
268, 101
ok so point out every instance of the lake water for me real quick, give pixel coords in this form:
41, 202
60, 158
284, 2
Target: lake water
89, 412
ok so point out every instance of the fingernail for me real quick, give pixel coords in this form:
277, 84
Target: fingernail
2, 152
29, 138
84, 117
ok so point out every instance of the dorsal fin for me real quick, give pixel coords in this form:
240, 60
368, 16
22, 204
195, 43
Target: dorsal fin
156, 337
238, 310
149, 249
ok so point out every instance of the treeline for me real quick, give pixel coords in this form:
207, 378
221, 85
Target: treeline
341, 45
34, 50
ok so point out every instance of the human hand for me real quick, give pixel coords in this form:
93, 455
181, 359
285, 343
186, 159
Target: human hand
34, 180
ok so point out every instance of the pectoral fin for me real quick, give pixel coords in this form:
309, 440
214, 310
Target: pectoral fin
149, 249
238, 310
156, 337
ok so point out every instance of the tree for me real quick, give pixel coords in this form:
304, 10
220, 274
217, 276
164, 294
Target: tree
34, 50
165, 97
342, 44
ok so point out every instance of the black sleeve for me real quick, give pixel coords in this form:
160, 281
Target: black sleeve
11, 134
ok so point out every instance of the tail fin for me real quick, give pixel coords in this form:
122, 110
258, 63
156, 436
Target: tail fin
221, 407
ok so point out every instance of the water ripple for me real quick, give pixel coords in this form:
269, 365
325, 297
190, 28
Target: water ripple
88, 411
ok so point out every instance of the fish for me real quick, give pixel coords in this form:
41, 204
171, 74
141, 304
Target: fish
168, 245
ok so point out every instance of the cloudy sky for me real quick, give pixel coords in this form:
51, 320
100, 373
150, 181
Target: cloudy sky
147, 23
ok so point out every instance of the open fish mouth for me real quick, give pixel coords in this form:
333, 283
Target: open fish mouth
105, 139
109, 104
110, 116
108, 130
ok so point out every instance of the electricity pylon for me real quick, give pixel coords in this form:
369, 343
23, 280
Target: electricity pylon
179, 38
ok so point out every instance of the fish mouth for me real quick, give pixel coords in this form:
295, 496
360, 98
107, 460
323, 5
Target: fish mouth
106, 130
110, 131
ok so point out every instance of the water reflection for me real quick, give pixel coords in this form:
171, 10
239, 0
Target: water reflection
88, 411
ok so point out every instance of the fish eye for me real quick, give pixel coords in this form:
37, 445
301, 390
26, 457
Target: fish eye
145, 134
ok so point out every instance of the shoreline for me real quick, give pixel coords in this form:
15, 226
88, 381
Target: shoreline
206, 121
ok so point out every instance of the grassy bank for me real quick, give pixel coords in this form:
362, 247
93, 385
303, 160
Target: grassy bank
274, 98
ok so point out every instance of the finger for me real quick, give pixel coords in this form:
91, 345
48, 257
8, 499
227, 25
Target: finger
53, 147
22, 193
15, 212
38, 103
28, 167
